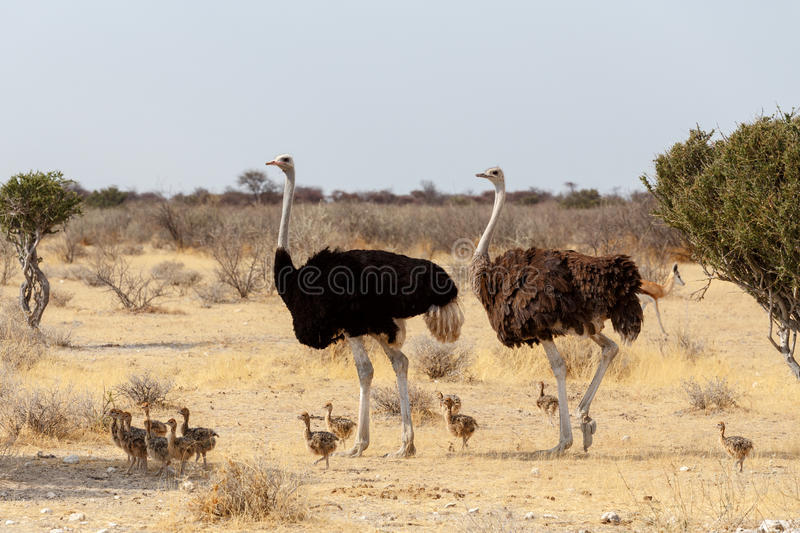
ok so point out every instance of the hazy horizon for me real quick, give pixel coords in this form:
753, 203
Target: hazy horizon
170, 97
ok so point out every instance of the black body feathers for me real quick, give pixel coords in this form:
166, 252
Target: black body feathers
357, 292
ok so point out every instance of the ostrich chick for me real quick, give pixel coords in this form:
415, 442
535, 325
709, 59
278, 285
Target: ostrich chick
180, 448
133, 443
205, 438
547, 403
319, 442
338, 425
456, 402
737, 447
159, 429
459, 425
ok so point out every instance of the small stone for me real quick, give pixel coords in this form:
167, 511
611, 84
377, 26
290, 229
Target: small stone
474, 510
45, 510
76, 517
626, 438
550, 516
112, 524
773, 526
362, 517
684, 469
116, 497
111, 469
71, 459
449, 505
535, 471
50, 495
57, 530
104, 530
584, 531
529, 515
26, 464
609, 517
9, 522
188, 486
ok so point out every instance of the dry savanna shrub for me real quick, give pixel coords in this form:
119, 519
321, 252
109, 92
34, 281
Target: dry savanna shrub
47, 411
60, 297
20, 346
58, 337
135, 291
251, 491
581, 355
174, 275
441, 361
386, 401
214, 293
239, 254
715, 395
145, 388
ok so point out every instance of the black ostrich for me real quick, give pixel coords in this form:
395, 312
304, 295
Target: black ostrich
348, 294
534, 295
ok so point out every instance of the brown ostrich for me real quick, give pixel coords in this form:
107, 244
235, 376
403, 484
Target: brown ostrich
532, 296
737, 447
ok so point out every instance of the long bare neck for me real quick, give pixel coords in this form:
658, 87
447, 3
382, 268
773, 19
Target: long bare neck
308, 429
288, 199
328, 416
486, 238
185, 426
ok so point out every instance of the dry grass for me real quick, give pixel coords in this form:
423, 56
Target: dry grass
251, 491
175, 275
59, 297
716, 394
386, 401
441, 361
20, 346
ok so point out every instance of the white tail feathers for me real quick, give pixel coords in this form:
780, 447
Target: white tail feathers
445, 322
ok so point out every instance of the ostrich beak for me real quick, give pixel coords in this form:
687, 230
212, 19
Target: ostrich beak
273, 162
481, 175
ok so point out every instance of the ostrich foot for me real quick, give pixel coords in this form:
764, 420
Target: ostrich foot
406, 450
356, 451
588, 427
556, 451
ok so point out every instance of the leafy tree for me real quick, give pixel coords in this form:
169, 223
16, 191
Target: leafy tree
582, 199
736, 201
108, 197
258, 183
33, 205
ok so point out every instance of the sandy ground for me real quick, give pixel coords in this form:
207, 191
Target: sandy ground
240, 370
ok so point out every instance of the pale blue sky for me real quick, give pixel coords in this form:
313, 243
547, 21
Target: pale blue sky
170, 96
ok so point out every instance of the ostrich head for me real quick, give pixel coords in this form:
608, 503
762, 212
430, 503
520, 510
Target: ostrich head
283, 162
678, 278
172, 423
721, 426
494, 174
328, 406
304, 417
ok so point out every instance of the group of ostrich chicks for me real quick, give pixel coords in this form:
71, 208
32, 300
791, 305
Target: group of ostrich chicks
324, 443
159, 441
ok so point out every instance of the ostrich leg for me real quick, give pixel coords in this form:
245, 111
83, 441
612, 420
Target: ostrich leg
560, 373
400, 366
609, 351
365, 372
